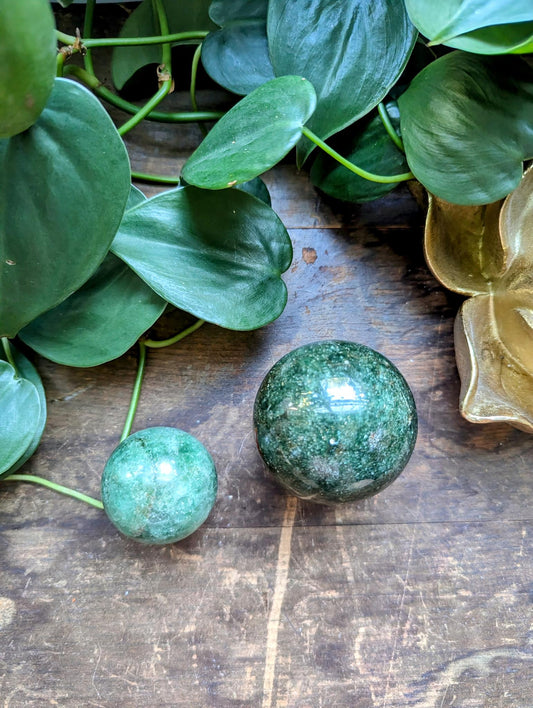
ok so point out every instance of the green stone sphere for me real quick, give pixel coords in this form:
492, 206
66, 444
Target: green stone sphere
159, 485
335, 421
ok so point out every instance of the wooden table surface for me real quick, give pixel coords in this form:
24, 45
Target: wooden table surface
420, 596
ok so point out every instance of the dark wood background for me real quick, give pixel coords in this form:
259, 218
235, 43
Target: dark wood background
420, 596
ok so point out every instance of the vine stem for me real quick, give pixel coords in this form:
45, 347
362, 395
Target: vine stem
148, 107
152, 344
56, 487
383, 179
143, 344
160, 343
387, 124
105, 94
60, 63
163, 31
132, 41
87, 31
135, 395
194, 75
166, 84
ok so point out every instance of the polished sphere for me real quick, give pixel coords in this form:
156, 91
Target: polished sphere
159, 485
335, 421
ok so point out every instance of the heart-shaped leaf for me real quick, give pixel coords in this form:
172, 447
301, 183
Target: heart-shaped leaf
21, 416
236, 56
27, 371
455, 22
63, 186
352, 52
101, 320
182, 16
467, 125
217, 255
254, 135
368, 145
27, 62
468, 252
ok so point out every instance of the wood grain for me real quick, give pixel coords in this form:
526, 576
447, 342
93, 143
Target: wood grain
421, 596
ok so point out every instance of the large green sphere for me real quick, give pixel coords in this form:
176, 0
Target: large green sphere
335, 421
159, 485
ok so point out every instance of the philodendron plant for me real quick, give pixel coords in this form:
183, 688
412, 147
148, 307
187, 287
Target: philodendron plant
368, 93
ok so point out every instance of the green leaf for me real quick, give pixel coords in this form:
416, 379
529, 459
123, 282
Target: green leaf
224, 11
27, 370
500, 39
236, 56
467, 125
102, 319
183, 16
27, 62
134, 197
449, 22
63, 187
254, 135
368, 145
21, 416
257, 188
217, 255
352, 52
525, 48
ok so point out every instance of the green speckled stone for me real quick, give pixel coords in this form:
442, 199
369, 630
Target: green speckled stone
335, 421
159, 485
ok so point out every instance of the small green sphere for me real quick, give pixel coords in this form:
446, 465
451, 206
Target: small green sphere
159, 485
335, 421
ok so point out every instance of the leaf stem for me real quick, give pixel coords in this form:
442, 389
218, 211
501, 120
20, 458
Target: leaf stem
135, 395
9, 354
160, 343
387, 124
133, 41
56, 487
383, 179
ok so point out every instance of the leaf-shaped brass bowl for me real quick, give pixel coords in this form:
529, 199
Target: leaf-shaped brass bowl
486, 252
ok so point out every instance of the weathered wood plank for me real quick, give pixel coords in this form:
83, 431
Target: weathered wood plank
420, 596
371, 615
